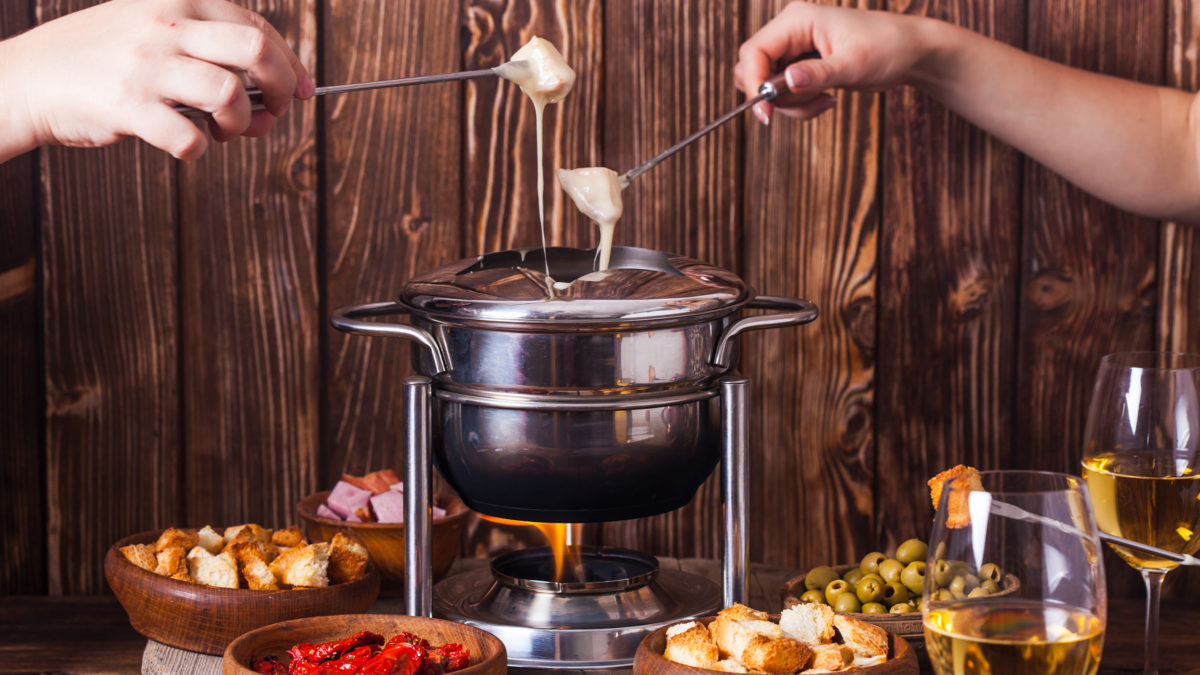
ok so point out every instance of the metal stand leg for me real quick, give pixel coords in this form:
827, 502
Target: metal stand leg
418, 497
735, 466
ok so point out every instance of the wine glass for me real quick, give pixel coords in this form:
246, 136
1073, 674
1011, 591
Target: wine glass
1014, 582
1140, 463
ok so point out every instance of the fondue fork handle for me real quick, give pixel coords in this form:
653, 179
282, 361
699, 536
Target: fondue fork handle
794, 312
767, 91
418, 497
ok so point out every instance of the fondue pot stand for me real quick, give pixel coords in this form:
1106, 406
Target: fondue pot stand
596, 403
589, 396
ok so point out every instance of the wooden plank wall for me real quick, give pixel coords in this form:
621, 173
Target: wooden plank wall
163, 325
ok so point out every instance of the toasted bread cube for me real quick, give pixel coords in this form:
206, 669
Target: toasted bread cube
865, 639
347, 558
831, 657
174, 537
289, 537
779, 655
307, 567
809, 622
219, 571
734, 637
257, 532
210, 539
257, 574
728, 666
691, 645
141, 555
171, 561
740, 612
184, 576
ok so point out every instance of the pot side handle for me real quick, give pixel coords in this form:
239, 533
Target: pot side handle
792, 312
349, 320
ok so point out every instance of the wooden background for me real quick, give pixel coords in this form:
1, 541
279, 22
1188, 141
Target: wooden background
166, 356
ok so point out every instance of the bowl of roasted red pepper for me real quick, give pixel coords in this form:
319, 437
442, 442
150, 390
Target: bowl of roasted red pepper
366, 644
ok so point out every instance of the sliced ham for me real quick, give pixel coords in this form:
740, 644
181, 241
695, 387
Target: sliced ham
326, 512
345, 499
389, 507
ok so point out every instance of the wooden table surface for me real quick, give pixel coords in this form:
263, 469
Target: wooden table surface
92, 634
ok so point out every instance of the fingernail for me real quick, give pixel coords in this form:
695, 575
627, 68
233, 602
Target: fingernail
797, 77
761, 114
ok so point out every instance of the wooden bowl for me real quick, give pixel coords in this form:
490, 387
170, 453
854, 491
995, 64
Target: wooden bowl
909, 625
488, 656
649, 659
204, 619
385, 541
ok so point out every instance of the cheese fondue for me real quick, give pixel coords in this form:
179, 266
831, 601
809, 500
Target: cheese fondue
597, 192
542, 73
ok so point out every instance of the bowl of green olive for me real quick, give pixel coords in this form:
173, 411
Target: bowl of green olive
887, 590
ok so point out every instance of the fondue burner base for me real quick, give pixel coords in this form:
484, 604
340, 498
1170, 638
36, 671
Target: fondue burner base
595, 622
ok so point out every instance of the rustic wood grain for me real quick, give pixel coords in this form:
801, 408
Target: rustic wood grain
811, 230
657, 91
110, 320
250, 310
949, 263
500, 158
392, 202
22, 519
1088, 270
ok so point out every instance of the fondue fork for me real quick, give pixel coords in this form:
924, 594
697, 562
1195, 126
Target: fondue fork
767, 91
256, 95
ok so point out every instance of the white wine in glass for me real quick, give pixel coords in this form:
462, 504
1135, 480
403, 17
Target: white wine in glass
1034, 531
1140, 463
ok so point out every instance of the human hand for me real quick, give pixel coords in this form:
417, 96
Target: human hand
859, 50
95, 76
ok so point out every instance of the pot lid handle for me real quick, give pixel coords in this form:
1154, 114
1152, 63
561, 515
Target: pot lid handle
794, 312
349, 320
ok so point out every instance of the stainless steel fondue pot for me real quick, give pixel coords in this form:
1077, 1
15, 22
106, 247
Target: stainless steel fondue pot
592, 401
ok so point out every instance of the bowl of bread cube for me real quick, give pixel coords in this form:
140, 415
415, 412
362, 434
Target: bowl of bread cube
806, 638
199, 588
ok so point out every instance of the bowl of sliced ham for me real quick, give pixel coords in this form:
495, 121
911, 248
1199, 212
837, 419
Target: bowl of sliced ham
372, 507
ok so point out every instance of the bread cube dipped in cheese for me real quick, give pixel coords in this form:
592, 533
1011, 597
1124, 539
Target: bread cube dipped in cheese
219, 571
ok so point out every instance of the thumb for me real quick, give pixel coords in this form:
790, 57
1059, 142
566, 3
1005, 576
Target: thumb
815, 75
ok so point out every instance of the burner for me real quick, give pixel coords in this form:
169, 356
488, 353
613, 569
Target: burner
599, 570
594, 620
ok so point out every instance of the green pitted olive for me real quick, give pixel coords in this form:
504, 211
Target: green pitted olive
874, 608
853, 576
990, 586
958, 588
871, 575
814, 596
911, 551
869, 589
890, 570
992, 572
979, 592
913, 576
847, 603
835, 588
895, 593
819, 577
917, 602
972, 582
870, 562
940, 551
943, 595
900, 608
943, 572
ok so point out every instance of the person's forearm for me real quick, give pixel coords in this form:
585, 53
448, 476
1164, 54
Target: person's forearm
1128, 143
17, 133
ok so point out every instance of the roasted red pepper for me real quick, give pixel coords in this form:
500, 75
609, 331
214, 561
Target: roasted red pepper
269, 666
316, 654
350, 662
398, 658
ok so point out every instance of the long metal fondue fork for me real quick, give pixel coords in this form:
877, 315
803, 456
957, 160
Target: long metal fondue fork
256, 95
767, 91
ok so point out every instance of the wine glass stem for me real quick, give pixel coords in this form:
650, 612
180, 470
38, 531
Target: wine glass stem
1153, 580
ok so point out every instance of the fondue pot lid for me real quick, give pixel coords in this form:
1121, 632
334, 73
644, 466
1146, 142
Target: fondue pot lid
640, 287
